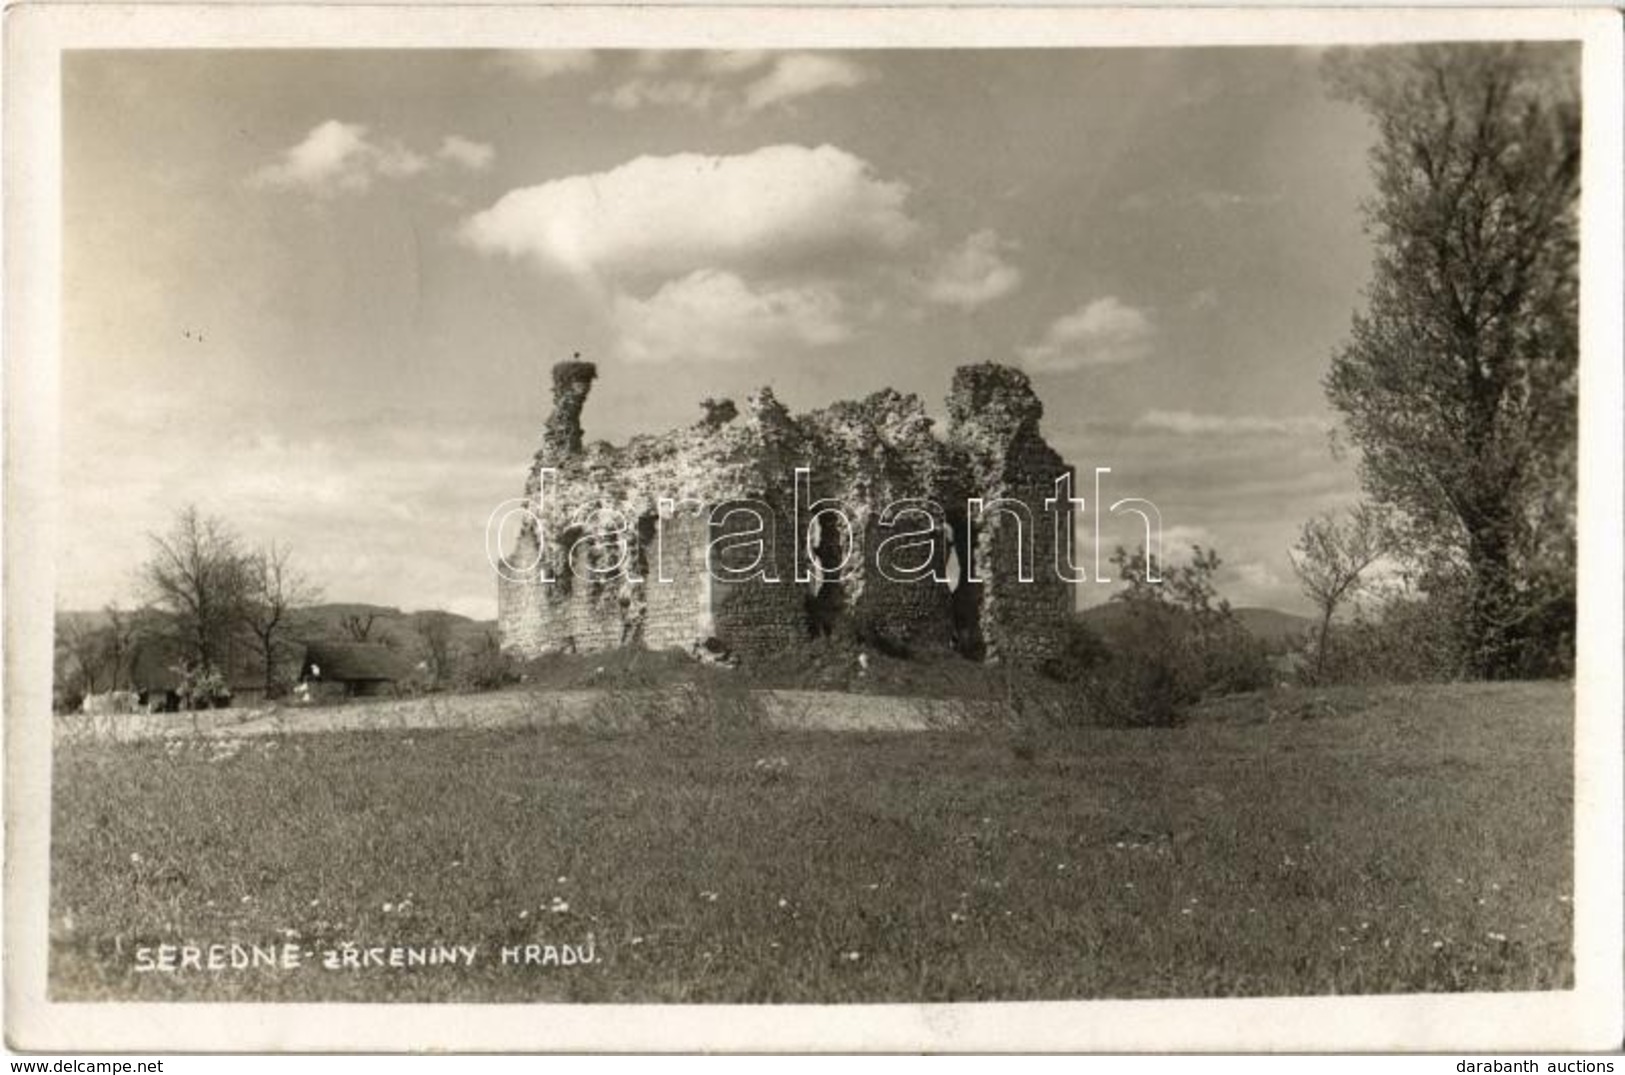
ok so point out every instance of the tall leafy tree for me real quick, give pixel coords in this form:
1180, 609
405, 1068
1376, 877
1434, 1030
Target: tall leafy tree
1459, 381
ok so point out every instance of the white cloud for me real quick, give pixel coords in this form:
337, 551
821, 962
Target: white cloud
718, 317
668, 216
799, 74
974, 273
667, 93
707, 80
311, 476
1190, 424
733, 61
475, 156
339, 157
1209, 199
1257, 575
536, 65
1105, 332
1178, 539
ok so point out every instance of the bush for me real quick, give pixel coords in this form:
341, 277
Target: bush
1155, 668
1549, 639
1406, 640
486, 667
202, 687
1175, 643
1083, 652
490, 670
1233, 659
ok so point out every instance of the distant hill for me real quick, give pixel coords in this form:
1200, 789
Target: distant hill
328, 621
91, 619
1276, 629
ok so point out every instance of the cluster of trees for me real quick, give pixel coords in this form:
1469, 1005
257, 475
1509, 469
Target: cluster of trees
92, 658
222, 607
224, 612
1458, 385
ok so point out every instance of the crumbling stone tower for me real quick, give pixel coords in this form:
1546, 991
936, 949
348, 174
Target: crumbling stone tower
993, 416
571, 383
700, 539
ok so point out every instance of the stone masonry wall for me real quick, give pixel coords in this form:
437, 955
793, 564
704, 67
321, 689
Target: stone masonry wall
755, 617
862, 455
677, 614
898, 615
993, 422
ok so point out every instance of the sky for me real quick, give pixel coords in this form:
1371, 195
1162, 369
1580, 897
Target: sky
318, 294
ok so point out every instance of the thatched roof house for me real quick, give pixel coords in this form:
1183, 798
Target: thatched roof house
359, 668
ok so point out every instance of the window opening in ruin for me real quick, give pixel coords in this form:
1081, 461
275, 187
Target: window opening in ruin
966, 604
827, 600
950, 560
575, 559
648, 532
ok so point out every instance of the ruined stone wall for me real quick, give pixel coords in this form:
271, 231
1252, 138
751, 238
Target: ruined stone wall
520, 620
571, 383
567, 615
592, 612
862, 455
896, 615
755, 617
677, 613
1022, 622
993, 427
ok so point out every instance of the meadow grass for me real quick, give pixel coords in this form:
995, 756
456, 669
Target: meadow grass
1393, 840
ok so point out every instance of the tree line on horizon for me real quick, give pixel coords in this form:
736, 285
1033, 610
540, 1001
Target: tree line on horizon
222, 613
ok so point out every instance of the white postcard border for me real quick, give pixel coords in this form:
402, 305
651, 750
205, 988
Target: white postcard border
1588, 1017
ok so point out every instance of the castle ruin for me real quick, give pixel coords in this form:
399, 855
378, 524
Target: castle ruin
696, 538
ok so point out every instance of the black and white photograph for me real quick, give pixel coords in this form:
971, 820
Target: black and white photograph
879, 525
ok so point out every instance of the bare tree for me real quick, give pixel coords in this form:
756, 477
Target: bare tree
274, 591
358, 627
122, 628
196, 574
85, 647
1188, 587
1331, 558
434, 628
93, 657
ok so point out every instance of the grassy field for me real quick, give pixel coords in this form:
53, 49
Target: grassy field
1396, 840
